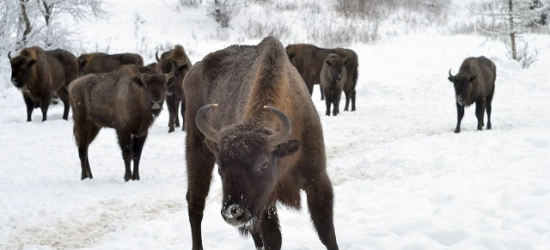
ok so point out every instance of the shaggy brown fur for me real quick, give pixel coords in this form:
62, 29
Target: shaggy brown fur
265, 154
475, 82
103, 63
39, 74
175, 92
333, 78
308, 60
127, 99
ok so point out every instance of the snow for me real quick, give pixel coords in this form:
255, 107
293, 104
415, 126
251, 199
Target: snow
402, 179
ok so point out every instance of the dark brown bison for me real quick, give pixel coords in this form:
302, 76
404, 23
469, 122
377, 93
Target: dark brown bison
39, 74
309, 59
175, 96
333, 78
127, 99
104, 63
475, 82
266, 138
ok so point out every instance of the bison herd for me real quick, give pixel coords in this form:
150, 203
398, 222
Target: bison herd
251, 114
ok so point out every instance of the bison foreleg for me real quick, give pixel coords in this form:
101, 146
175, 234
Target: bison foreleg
137, 148
348, 98
200, 163
353, 95
125, 142
270, 230
320, 199
460, 115
328, 101
30, 106
336, 102
44, 105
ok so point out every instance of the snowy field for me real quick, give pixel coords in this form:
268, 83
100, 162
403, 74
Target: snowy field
402, 179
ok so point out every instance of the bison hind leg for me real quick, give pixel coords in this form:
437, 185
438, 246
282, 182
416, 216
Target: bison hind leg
85, 133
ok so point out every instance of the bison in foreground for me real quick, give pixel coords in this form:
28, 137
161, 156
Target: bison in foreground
333, 78
255, 119
39, 74
309, 59
475, 82
95, 63
127, 99
175, 96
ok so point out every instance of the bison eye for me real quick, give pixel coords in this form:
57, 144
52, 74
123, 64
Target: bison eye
262, 168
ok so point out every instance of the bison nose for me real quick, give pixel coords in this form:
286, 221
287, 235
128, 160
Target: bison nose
156, 105
235, 215
339, 77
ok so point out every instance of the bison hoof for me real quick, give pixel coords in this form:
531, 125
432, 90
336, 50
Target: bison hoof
171, 130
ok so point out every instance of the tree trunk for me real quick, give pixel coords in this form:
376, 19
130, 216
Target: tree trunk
512, 31
25, 19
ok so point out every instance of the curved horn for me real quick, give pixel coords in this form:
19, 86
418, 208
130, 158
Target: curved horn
285, 131
172, 70
9, 56
450, 73
157, 56
206, 129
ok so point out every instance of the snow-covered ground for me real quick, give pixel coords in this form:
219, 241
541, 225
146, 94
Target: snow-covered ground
402, 179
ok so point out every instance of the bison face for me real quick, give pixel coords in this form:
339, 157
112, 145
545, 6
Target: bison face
21, 70
336, 67
248, 159
463, 87
154, 86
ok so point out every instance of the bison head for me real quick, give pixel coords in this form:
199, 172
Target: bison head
155, 86
463, 87
178, 58
336, 67
248, 158
21, 67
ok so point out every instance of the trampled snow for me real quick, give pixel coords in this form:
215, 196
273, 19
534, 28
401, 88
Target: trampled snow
402, 179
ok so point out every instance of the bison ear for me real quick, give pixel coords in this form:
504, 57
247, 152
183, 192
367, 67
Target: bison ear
328, 62
183, 67
286, 148
31, 63
472, 78
139, 82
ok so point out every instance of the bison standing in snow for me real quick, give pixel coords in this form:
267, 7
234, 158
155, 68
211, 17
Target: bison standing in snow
175, 95
475, 82
333, 78
39, 74
127, 99
255, 119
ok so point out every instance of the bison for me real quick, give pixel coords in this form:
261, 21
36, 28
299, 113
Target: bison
333, 78
127, 99
104, 63
175, 91
309, 59
475, 82
255, 119
39, 74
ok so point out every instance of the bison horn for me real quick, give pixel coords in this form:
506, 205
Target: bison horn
157, 56
450, 73
206, 129
9, 56
285, 131
172, 70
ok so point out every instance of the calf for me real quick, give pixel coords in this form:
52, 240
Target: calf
475, 82
333, 78
127, 99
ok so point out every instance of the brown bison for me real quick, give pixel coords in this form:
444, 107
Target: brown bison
127, 99
104, 63
266, 138
475, 82
309, 59
39, 74
175, 96
333, 78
